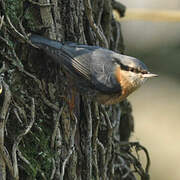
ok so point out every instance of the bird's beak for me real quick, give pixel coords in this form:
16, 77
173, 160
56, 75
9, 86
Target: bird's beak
149, 75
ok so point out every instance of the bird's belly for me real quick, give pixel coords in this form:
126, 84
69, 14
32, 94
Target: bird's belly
109, 99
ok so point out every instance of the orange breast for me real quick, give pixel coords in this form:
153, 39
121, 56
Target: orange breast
126, 88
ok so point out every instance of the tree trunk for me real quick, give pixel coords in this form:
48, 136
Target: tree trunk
39, 137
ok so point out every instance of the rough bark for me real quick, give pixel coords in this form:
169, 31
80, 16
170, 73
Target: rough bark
39, 137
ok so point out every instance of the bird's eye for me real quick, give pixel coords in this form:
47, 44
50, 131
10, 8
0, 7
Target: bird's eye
132, 70
135, 70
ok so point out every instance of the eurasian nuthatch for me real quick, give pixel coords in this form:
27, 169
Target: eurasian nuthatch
105, 75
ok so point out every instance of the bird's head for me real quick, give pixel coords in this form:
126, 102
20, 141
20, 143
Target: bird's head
133, 70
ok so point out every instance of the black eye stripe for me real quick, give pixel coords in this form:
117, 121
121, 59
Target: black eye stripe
126, 68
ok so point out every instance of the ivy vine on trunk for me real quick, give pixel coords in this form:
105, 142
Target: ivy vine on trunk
39, 137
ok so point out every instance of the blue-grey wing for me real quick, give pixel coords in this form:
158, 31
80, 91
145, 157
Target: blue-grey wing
103, 71
96, 65
92, 65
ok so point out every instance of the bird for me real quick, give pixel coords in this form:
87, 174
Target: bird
102, 74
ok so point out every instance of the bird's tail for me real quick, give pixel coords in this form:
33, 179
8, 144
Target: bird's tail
43, 42
51, 48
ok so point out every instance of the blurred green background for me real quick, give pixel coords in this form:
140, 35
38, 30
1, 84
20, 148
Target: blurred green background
156, 105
